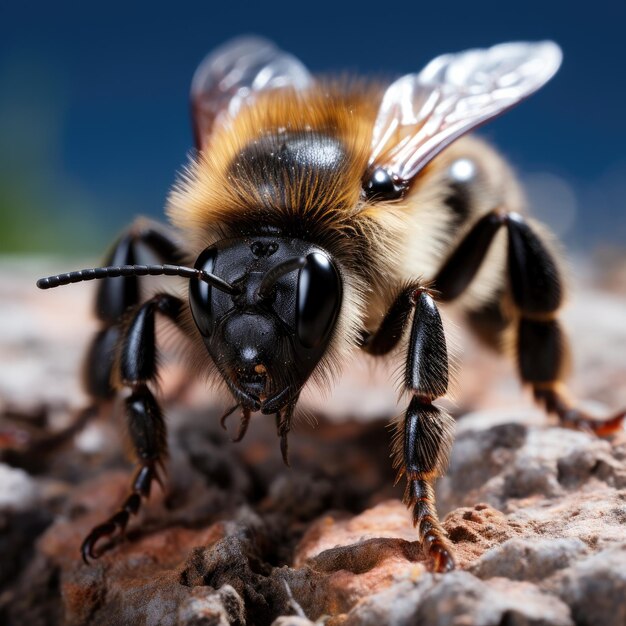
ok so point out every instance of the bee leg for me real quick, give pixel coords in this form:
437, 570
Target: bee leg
542, 351
392, 328
19, 449
138, 366
490, 322
463, 264
556, 400
422, 441
537, 293
115, 296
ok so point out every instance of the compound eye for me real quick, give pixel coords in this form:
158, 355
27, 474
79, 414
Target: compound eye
379, 184
200, 294
318, 300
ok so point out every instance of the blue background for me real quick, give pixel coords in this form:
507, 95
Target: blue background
94, 101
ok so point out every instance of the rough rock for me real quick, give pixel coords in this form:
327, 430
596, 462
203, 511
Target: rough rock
528, 559
595, 588
460, 598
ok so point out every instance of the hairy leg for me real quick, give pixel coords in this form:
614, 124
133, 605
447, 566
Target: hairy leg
423, 439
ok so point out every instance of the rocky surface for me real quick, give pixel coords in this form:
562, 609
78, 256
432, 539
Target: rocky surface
537, 513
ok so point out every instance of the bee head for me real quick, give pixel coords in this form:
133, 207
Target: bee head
269, 334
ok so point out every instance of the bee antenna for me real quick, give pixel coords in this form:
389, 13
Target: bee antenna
276, 272
135, 270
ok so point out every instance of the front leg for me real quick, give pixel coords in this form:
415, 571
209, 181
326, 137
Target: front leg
423, 440
137, 365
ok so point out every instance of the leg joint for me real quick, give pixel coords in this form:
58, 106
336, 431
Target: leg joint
146, 425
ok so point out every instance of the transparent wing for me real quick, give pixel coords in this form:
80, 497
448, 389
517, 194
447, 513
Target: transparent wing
421, 114
233, 73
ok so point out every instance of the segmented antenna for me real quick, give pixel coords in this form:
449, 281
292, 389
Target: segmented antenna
272, 275
135, 270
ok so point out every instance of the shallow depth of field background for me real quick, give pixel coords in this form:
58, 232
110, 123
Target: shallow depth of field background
94, 110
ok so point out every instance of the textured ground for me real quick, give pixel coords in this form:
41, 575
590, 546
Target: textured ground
537, 513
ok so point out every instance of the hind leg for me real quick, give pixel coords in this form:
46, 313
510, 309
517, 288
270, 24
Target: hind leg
536, 292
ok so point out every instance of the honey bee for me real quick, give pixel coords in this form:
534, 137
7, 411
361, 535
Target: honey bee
320, 216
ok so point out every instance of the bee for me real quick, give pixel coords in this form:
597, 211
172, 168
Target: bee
317, 217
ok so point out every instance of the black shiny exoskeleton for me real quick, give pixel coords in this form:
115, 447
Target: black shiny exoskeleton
287, 299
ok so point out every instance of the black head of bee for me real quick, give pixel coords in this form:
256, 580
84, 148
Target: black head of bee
269, 334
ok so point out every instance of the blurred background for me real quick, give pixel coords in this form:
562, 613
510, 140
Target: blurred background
94, 102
